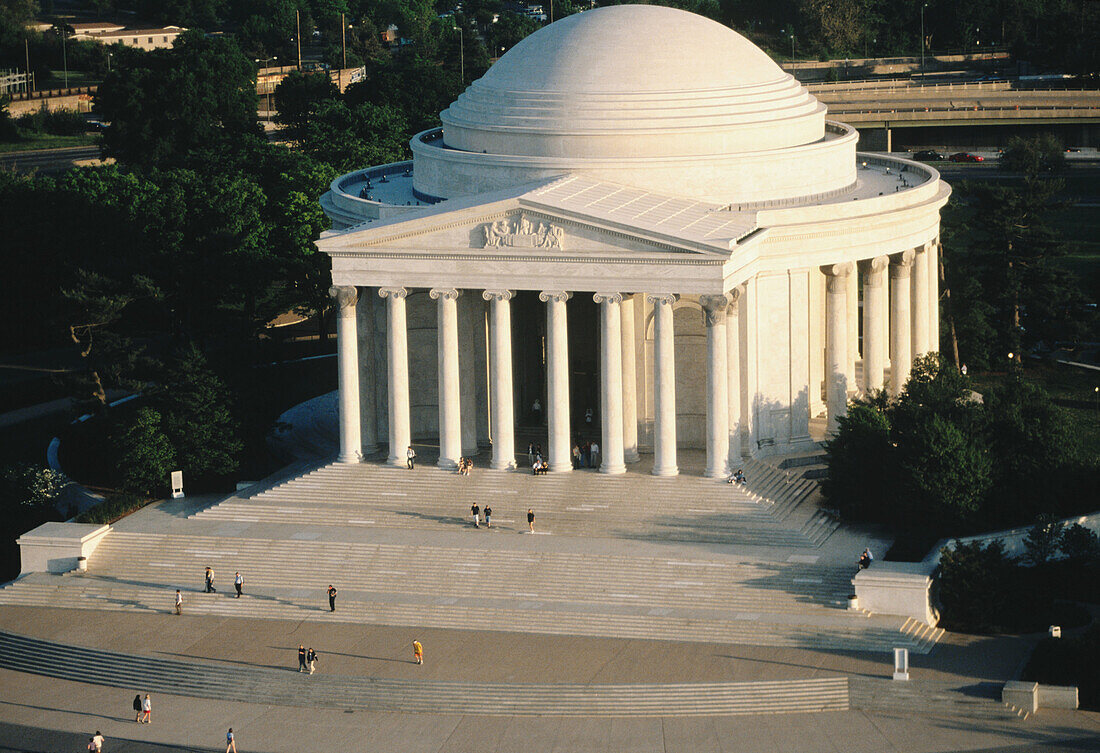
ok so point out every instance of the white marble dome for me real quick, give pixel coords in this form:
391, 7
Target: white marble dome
632, 80
645, 96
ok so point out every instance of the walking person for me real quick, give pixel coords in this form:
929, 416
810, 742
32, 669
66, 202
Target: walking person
179, 604
210, 581
576, 456
311, 660
531, 521
488, 512
410, 457
146, 710
301, 657
238, 583
96, 742
475, 511
595, 455
418, 652
230, 742
137, 708
331, 598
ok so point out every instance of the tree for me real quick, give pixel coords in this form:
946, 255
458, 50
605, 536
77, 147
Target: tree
298, 96
164, 104
197, 418
1036, 156
1079, 544
974, 587
861, 465
145, 456
30, 486
350, 137
1043, 539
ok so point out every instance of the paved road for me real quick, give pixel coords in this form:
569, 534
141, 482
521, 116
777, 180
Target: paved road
48, 160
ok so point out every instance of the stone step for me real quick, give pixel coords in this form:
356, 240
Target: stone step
288, 688
179, 561
857, 634
926, 698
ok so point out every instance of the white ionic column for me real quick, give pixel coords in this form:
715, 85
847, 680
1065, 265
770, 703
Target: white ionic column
630, 382
450, 397
368, 384
347, 347
901, 349
874, 312
471, 331
853, 331
557, 380
919, 302
500, 378
397, 373
836, 341
934, 296
733, 375
664, 385
746, 315
718, 415
611, 382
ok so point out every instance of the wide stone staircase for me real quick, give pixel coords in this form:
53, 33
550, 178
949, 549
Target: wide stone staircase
587, 593
354, 693
775, 509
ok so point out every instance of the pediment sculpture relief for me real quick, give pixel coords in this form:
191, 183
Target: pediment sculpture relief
522, 233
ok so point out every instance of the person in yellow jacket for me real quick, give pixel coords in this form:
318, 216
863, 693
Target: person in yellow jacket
418, 652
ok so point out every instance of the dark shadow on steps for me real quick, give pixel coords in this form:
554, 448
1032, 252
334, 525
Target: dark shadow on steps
81, 713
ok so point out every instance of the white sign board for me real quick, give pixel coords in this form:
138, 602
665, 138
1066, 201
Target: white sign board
177, 484
901, 664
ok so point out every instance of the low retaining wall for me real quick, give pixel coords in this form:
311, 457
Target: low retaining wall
1029, 697
57, 547
898, 588
1012, 538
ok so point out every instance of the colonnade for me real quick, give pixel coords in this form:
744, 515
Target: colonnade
899, 319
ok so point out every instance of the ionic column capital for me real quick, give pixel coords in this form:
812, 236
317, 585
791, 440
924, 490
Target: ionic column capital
876, 264
395, 293
714, 308
345, 297
901, 264
607, 297
450, 294
557, 296
498, 295
836, 276
735, 294
662, 299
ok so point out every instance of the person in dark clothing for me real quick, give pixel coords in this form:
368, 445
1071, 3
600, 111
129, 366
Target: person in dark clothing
210, 581
137, 707
301, 658
332, 598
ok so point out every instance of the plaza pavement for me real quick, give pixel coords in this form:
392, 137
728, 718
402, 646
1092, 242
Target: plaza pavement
951, 703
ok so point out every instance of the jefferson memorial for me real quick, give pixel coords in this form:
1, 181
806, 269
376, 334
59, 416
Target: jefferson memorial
636, 229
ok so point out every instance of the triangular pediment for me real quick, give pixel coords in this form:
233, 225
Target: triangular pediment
537, 223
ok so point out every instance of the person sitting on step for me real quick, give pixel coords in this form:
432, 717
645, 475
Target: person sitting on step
866, 559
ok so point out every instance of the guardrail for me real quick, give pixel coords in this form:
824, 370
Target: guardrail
908, 85
976, 108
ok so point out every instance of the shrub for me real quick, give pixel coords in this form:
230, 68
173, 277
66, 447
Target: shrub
1043, 539
112, 508
1079, 544
974, 587
57, 122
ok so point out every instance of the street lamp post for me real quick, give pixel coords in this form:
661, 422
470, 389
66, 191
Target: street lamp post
922, 7
64, 56
792, 46
461, 54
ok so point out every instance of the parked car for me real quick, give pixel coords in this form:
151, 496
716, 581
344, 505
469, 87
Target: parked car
966, 157
928, 155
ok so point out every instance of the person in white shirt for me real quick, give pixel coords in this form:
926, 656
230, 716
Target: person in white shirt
410, 457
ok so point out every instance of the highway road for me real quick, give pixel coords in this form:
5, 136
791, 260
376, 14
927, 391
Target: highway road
49, 160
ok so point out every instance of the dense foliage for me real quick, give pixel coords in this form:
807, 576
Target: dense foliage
1072, 660
945, 460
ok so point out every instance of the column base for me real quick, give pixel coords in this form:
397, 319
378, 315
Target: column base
670, 470
498, 465
447, 464
397, 462
354, 457
561, 467
612, 469
717, 473
632, 457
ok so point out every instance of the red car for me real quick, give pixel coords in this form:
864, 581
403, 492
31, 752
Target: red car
966, 157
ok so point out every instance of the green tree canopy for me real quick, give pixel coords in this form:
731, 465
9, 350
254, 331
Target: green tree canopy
145, 455
164, 104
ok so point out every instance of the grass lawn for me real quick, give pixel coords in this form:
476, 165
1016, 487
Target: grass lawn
48, 141
1080, 227
1072, 389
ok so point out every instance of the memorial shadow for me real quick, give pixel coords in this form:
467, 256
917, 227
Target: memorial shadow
89, 714
169, 590
237, 662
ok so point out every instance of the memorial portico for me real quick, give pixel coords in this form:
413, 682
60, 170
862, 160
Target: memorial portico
629, 262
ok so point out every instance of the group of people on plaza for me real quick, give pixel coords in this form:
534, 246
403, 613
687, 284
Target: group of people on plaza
476, 512
737, 477
586, 454
307, 660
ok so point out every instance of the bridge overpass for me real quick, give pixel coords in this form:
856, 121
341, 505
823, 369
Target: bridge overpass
878, 108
